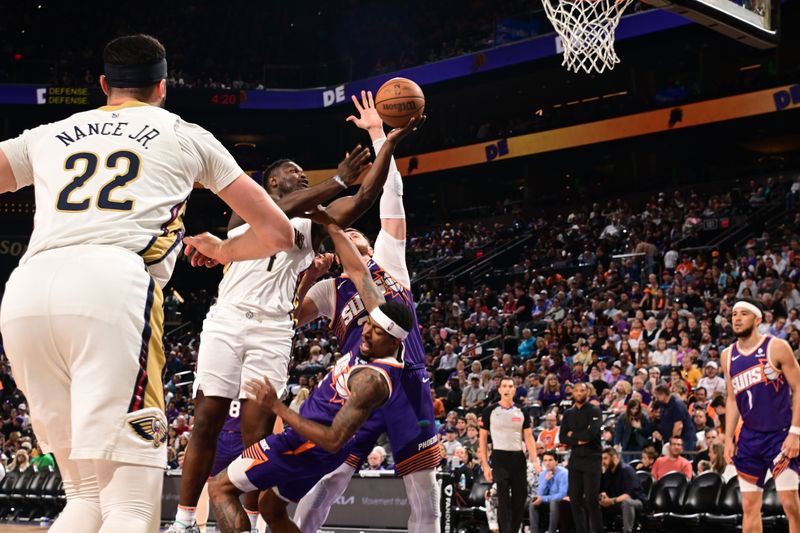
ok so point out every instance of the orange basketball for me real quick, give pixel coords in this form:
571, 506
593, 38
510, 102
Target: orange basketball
398, 100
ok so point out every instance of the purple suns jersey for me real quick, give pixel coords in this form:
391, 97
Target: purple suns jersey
762, 394
332, 392
350, 314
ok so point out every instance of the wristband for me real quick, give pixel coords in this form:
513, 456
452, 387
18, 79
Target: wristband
338, 179
794, 430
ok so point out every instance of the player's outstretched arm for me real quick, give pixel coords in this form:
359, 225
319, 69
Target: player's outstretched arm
392, 211
731, 409
270, 230
346, 210
783, 358
307, 309
371, 295
368, 390
298, 202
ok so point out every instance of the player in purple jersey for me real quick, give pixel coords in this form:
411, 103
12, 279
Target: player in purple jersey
412, 435
763, 384
320, 436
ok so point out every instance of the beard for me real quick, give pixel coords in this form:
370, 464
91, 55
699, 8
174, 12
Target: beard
744, 333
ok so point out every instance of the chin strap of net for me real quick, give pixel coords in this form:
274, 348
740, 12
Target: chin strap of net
586, 29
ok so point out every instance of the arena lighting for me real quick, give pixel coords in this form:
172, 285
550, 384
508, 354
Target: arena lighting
750, 67
244, 145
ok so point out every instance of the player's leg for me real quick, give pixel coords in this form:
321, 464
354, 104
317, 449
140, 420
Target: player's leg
267, 352
82, 512
216, 384
130, 497
201, 510
224, 497
786, 484
751, 507
273, 509
519, 492
423, 495
503, 479
313, 509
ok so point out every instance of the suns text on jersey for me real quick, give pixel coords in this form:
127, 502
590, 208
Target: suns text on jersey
744, 380
142, 135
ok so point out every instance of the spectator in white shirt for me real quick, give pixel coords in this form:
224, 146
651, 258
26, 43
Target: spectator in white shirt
711, 381
448, 359
663, 357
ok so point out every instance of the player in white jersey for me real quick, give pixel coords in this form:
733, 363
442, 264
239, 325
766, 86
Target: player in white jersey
248, 333
81, 317
389, 253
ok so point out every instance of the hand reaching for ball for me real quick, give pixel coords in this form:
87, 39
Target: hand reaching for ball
368, 118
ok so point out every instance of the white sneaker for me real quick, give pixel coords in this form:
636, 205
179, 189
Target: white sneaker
181, 528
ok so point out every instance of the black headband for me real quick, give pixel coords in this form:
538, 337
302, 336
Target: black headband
135, 76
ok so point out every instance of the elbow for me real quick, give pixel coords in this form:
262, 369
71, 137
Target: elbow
332, 445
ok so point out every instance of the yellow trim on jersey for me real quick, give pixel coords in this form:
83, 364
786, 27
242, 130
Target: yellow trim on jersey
163, 244
156, 358
130, 103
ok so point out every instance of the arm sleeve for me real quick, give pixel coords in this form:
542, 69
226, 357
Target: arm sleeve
526, 421
211, 164
323, 294
565, 428
391, 204
562, 486
486, 419
390, 254
593, 429
16, 150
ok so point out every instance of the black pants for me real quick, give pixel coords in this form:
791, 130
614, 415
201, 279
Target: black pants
584, 494
511, 475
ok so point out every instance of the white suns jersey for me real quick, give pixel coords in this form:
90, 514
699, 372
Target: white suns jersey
268, 285
117, 175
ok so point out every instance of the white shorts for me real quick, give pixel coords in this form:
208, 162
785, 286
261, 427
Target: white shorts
237, 346
82, 327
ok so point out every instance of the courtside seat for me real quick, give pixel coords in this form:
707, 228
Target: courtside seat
52, 492
701, 498
17, 495
729, 508
646, 479
6, 486
32, 504
666, 498
473, 512
771, 508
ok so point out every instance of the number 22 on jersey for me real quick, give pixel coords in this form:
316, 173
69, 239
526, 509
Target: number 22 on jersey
124, 158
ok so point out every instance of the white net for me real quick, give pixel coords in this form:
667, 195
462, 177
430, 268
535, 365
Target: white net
586, 29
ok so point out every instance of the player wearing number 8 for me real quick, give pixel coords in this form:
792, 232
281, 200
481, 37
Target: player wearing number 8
81, 317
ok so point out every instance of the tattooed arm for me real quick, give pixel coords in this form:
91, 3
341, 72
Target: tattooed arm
368, 391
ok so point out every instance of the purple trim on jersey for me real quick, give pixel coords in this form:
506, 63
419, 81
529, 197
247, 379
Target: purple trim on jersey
229, 447
762, 394
350, 314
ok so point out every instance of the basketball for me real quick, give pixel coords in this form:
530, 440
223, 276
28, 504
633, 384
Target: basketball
398, 100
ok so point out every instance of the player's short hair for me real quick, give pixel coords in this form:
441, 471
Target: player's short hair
400, 314
134, 50
347, 230
507, 378
273, 167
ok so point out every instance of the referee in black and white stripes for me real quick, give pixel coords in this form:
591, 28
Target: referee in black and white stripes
508, 426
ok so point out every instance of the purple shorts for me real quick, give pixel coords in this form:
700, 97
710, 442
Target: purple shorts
286, 462
756, 453
229, 447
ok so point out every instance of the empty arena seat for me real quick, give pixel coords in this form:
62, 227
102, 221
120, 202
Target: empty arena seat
729, 507
666, 497
16, 496
646, 479
771, 508
53, 495
702, 496
33, 504
6, 486
473, 512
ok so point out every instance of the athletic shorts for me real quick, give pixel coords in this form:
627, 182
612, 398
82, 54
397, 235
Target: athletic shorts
237, 346
229, 447
756, 452
284, 462
408, 421
82, 327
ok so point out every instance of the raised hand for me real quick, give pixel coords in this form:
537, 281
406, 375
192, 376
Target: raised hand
320, 266
398, 134
354, 164
368, 117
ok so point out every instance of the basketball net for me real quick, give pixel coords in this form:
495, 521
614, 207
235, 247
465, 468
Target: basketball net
586, 29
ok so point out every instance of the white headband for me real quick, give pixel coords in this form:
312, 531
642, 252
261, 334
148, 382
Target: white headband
747, 306
391, 327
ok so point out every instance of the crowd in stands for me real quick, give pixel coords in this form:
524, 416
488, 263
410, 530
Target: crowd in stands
644, 331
